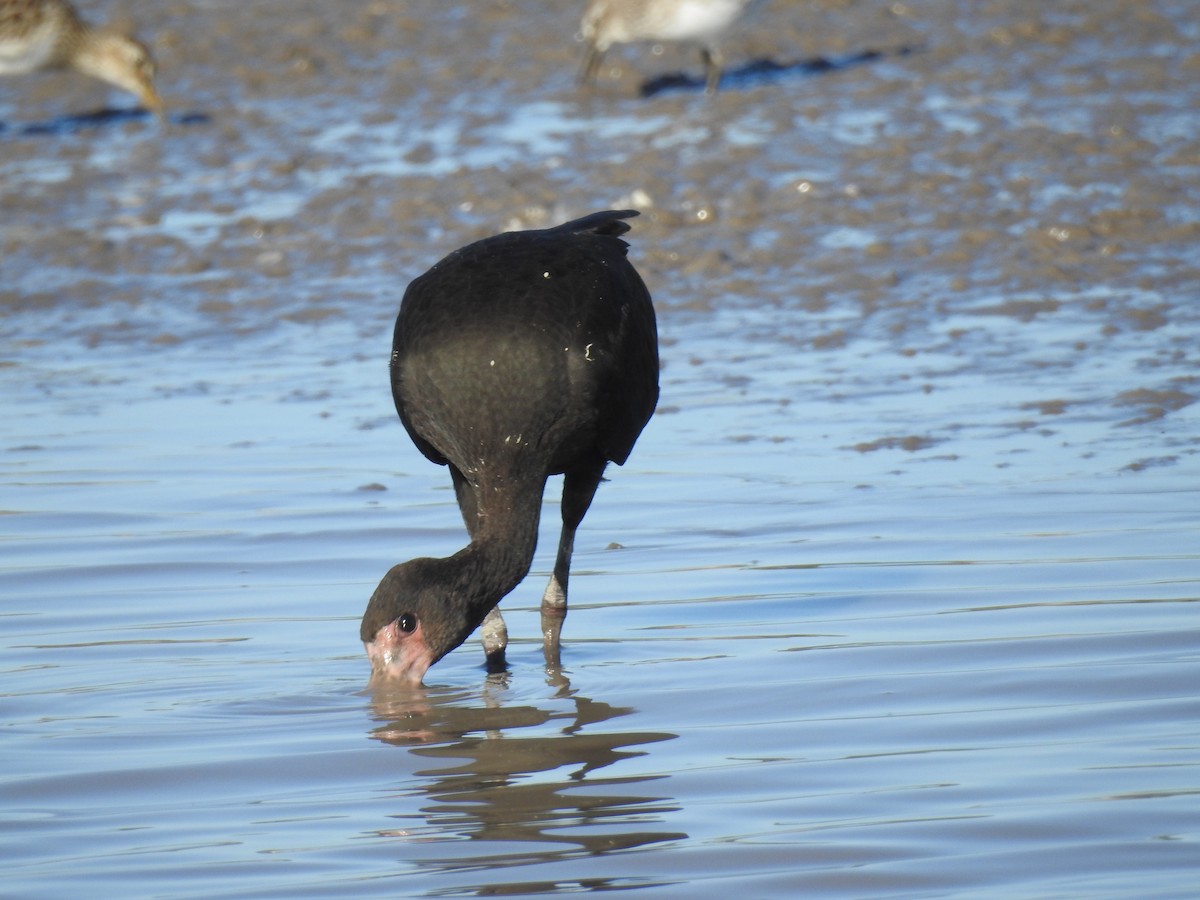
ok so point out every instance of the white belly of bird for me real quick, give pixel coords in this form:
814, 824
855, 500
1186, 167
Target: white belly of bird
28, 53
697, 20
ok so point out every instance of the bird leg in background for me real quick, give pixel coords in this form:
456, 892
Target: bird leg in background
591, 64
714, 64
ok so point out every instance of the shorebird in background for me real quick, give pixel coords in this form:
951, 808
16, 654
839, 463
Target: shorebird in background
37, 35
702, 22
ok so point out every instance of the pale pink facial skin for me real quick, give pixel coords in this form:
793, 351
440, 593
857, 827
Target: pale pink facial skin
398, 656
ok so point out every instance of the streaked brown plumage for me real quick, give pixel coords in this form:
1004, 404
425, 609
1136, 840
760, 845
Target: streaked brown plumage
39, 35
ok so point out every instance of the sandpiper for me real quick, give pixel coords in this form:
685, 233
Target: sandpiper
608, 22
37, 35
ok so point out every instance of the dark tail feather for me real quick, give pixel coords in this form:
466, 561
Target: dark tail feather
607, 222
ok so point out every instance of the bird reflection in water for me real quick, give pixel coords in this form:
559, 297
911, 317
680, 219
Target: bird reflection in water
520, 774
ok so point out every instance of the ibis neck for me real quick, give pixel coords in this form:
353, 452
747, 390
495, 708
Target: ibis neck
501, 551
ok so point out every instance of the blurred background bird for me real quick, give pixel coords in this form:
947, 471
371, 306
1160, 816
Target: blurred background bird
701, 22
40, 35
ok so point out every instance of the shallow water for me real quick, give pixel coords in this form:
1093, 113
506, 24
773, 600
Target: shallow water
895, 597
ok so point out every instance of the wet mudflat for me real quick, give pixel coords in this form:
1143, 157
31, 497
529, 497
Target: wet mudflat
895, 597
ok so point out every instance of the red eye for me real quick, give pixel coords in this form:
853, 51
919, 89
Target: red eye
407, 623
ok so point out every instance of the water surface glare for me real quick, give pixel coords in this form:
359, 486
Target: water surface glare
896, 596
